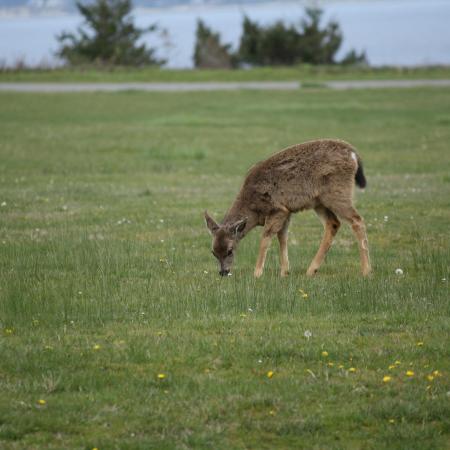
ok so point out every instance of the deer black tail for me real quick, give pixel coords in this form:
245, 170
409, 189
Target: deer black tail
360, 179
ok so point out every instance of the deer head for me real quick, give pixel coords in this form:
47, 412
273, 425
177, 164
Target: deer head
225, 240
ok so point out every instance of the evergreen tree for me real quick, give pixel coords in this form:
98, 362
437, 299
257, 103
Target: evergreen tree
109, 37
209, 52
287, 45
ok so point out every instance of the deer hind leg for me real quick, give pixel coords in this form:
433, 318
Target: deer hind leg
331, 226
282, 239
350, 215
272, 226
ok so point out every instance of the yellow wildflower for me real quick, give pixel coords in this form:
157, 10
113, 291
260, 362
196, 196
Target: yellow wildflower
303, 293
392, 366
430, 377
419, 344
330, 364
436, 373
397, 363
324, 354
96, 347
9, 331
352, 370
409, 373
341, 366
386, 379
161, 376
41, 402
270, 374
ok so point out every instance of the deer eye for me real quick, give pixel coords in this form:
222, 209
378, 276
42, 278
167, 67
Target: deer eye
230, 252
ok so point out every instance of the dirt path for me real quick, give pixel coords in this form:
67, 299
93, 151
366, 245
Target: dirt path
216, 86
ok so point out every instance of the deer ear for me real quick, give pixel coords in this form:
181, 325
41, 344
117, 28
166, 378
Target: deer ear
239, 226
210, 223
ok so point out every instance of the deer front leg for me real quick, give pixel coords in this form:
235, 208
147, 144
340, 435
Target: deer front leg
282, 239
273, 225
263, 247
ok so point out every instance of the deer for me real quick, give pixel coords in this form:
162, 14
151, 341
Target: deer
318, 175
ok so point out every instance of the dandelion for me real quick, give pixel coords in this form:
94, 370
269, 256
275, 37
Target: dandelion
330, 364
270, 374
397, 363
96, 347
303, 293
386, 379
341, 366
352, 370
42, 402
398, 272
324, 354
419, 344
409, 373
392, 366
161, 376
430, 377
436, 373
391, 420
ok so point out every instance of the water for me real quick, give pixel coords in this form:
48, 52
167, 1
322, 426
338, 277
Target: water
402, 32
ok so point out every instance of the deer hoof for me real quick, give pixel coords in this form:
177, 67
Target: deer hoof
284, 273
311, 272
258, 273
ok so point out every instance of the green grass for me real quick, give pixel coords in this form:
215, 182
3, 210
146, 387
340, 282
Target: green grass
305, 73
107, 279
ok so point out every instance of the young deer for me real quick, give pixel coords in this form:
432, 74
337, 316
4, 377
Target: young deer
317, 174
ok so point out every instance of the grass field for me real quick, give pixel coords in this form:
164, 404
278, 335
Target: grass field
118, 333
304, 73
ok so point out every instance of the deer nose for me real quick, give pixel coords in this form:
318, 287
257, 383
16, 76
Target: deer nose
224, 273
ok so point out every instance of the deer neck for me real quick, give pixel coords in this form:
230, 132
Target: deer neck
238, 211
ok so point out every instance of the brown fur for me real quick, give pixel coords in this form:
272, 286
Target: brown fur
317, 175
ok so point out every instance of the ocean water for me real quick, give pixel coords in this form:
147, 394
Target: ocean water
392, 32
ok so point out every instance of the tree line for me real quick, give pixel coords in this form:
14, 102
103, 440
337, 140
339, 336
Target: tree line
109, 37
